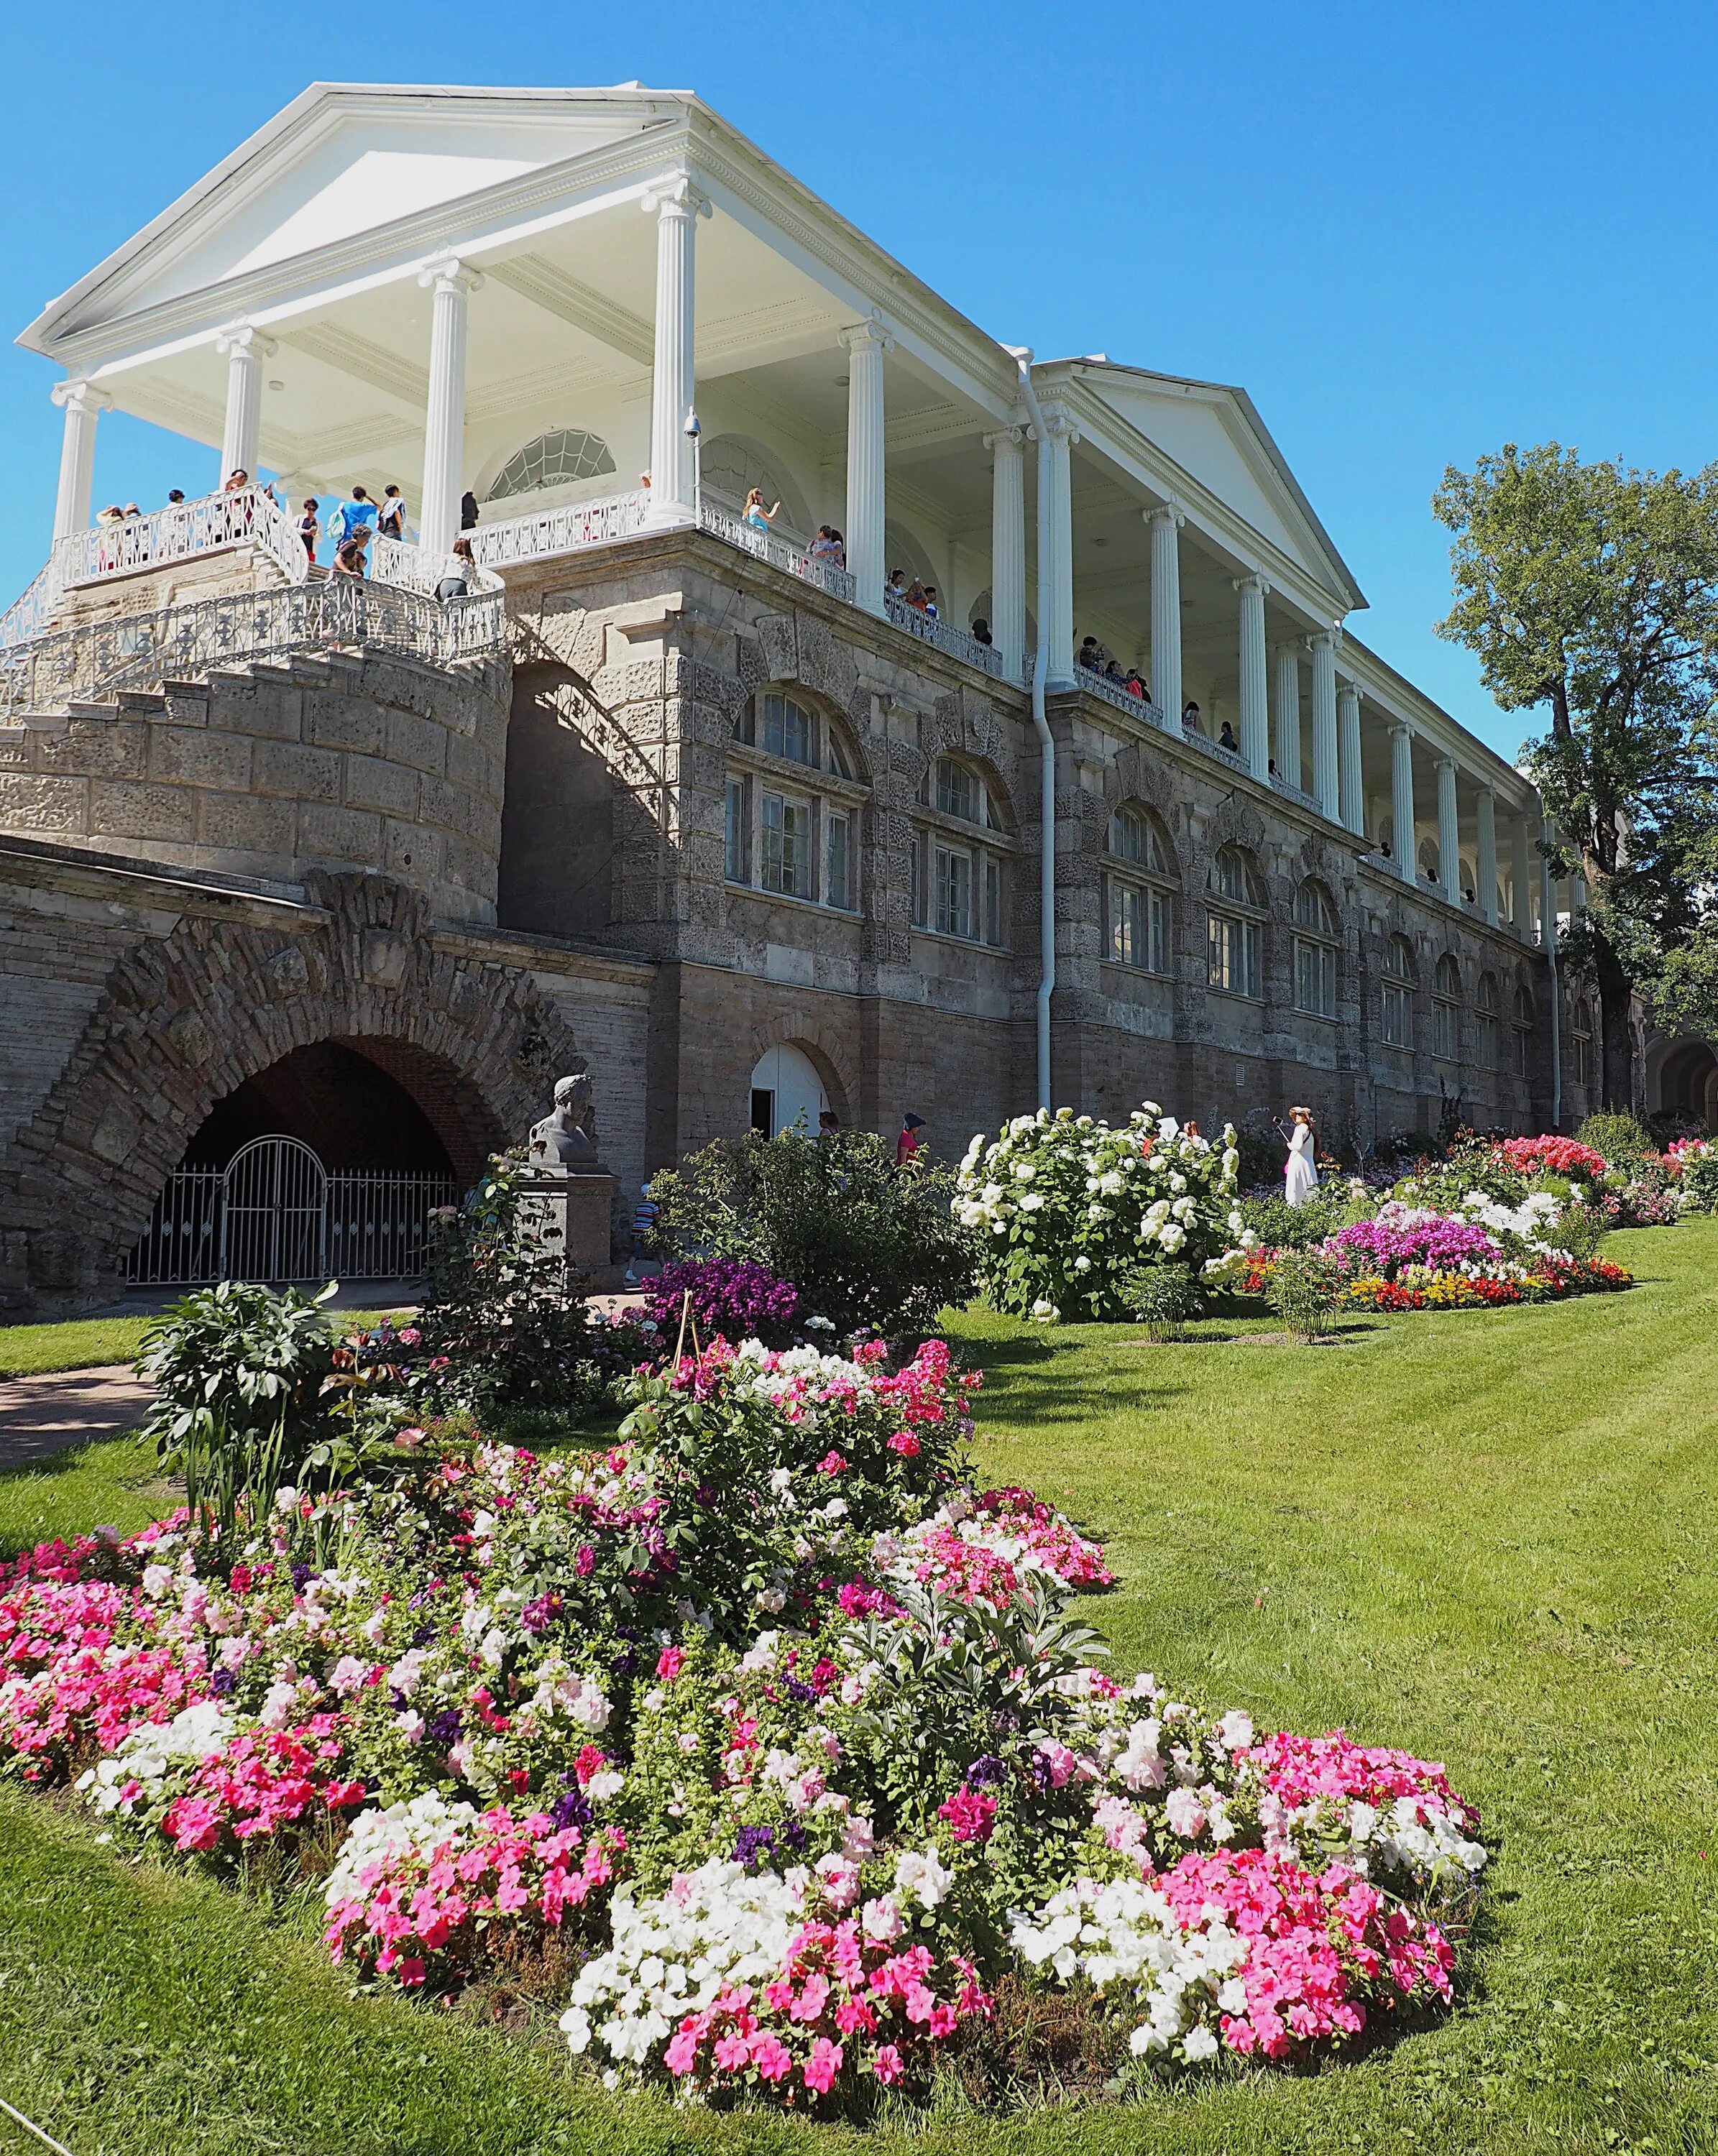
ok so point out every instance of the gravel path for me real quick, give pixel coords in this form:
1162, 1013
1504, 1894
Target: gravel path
40, 1416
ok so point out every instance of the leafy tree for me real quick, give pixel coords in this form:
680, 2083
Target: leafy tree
1590, 591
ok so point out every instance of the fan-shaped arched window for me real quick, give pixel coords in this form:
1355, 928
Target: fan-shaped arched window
734, 463
1485, 1000
556, 459
1581, 1037
1396, 1013
1139, 887
958, 874
1234, 925
792, 836
1429, 870
1446, 1009
1521, 1014
1316, 934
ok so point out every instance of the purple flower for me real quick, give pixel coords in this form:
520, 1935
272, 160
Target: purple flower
734, 1297
444, 1726
754, 1846
570, 1809
224, 1683
986, 1769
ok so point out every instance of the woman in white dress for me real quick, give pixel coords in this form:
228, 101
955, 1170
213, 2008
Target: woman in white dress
1300, 1174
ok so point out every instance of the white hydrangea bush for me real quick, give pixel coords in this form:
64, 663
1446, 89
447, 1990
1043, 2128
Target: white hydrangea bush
1064, 1206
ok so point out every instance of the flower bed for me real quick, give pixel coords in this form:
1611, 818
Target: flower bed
764, 1743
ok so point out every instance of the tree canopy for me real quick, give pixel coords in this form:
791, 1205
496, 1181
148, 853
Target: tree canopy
1590, 591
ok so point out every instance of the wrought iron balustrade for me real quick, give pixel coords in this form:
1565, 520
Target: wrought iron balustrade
565, 530
1119, 694
957, 642
249, 517
779, 551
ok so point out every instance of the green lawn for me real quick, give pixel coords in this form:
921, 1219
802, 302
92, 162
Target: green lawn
1488, 1536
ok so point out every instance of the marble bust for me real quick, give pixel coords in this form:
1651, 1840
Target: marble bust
560, 1139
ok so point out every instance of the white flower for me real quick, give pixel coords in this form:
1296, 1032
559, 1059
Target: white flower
1199, 2044
1045, 1311
1083, 1264
923, 1874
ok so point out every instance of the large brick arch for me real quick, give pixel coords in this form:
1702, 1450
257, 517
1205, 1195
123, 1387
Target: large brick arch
183, 1022
823, 1048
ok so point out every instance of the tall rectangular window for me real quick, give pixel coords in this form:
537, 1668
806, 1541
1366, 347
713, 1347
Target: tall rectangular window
1231, 954
1126, 926
954, 899
1314, 978
786, 848
837, 883
787, 730
921, 903
1398, 1016
1488, 1039
739, 831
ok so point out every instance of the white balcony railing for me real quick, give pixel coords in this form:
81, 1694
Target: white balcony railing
1119, 694
780, 552
1297, 793
29, 616
409, 567
248, 517
565, 530
1233, 757
957, 642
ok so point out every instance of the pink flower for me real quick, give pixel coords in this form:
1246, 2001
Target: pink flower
670, 1663
823, 2066
682, 2055
771, 2056
832, 1463
971, 1813
905, 1443
731, 2052
887, 2065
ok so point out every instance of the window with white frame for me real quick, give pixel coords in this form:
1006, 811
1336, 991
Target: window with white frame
1139, 890
1316, 939
960, 849
1522, 1017
1396, 1013
557, 458
1446, 1009
1581, 1041
1486, 1004
1235, 916
785, 832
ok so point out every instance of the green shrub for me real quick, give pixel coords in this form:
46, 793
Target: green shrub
239, 1373
1163, 1297
870, 1247
1281, 1226
1699, 1181
1303, 1290
1620, 1138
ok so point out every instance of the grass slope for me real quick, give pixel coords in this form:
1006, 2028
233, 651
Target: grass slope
1486, 1535
74, 1344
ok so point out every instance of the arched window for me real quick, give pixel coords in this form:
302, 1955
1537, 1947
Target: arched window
1234, 925
1521, 1013
556, 459
734, 463
1139, 886
1316, 936
1470, 883
1486, 997
790, 832
1580, 1035
1429, 872
1446, 1009
1397, 1012
959, 848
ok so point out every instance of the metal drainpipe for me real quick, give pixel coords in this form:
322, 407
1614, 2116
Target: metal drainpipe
1548, 900
1047, 744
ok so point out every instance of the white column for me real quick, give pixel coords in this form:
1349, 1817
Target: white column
866, 343
450, 282
1063, 434
1486, 848
1404, 836
1325, 787
1255, 713
678, 205
245, 349
81, 402
1286, 717
1449, 832
1351, 792
1521, 899
1008, 607
1167, 612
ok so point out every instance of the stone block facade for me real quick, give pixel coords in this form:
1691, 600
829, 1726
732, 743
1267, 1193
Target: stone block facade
479, 877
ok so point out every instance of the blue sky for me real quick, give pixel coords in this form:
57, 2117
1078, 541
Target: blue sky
1411, 233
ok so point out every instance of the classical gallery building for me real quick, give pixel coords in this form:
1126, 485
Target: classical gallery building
311, 887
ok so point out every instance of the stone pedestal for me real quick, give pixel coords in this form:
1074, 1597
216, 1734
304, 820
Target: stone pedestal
572, 1213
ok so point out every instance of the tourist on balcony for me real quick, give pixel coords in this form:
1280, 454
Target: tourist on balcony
930, 601
981, 632
457, 584
1112, 672
468, 506
309, 529
914, 595
1227, 739
827, 547
349, 554
1091, 654
236, 480
175, 494
756, 515
1192, 723
1134, 683
390, 518
840, 547
895, 587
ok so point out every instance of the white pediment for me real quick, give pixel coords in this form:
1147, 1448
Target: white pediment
339, 162
1214, 435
